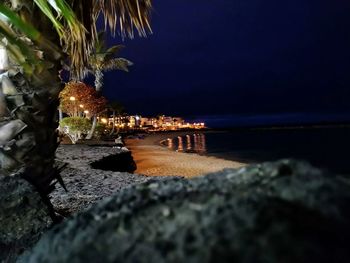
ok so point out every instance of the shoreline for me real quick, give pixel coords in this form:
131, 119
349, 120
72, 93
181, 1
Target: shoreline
152, 159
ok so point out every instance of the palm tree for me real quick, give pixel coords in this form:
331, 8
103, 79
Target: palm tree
104, 59
38, 36
117, 109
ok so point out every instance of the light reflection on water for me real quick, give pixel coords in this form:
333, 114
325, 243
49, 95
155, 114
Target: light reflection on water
190, 143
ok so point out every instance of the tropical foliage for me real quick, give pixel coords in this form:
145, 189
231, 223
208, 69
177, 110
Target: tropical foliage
101, 130
117, 110
75, 127
104, 59
74, 23
78, 99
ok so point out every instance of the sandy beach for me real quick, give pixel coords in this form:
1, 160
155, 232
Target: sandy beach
152, 159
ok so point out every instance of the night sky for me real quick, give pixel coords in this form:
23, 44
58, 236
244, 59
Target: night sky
258, 61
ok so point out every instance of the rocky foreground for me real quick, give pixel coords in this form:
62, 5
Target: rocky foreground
87, 180
23, 215
273, 212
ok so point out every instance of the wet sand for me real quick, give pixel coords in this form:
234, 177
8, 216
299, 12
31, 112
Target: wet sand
155, 160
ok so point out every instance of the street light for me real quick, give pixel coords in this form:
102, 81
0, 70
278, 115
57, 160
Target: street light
75, 114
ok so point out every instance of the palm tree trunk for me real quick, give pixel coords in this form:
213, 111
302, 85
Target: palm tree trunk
118, 129
93, 128
113, 128
60, 114
29, 134
28, 121
98, 86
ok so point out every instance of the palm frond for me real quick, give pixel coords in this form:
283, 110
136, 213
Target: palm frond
7, 15
100, 42
44, 6
113, 51
75, 24
117, 63
18, 48
100, 52
126, 15
21, 49
71, 31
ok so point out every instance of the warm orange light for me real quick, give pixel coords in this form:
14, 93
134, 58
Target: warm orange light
104, 120
81, 106
72, 98
86, 111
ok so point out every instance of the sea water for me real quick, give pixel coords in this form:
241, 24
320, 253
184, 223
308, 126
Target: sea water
328, 148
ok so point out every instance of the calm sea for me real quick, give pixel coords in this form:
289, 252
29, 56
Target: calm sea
328, 148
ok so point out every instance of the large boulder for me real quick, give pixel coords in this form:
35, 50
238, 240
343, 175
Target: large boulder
23, 217
273, 212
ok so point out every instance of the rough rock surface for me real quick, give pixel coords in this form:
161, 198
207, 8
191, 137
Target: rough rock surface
87, 185
274, 212
23, 217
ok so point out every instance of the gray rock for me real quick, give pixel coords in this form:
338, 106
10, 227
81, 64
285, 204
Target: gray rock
87, 185
286, 211
23, 217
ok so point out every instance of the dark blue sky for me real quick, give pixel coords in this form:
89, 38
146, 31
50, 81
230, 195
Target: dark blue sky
240, 57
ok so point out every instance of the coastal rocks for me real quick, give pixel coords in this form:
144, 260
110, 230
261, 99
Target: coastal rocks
85, 184
119, 141
23, 217
285, 211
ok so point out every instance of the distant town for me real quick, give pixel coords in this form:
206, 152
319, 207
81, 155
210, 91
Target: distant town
160, 123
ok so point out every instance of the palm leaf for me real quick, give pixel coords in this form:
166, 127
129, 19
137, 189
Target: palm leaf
46, 9
117, 63
125, 14
9, 22
75, 24
8, 15
73, 34
18, 49
100, 42
100, 45
113, 51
